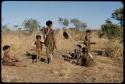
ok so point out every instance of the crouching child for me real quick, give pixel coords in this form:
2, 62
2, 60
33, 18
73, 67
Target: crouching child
10, 61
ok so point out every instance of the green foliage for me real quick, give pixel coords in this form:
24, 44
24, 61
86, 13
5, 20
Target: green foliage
76, 23
60, 20
110, 30
31, 24
4, 26
15, 26
118, 15
83, 26
64, 22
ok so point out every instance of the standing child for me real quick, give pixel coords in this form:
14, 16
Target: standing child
10, 61
87, 43
39, 45
87, 40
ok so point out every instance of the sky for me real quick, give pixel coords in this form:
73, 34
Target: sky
93, 13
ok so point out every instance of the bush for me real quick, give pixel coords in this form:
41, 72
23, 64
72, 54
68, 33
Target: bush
31, 24
110, 30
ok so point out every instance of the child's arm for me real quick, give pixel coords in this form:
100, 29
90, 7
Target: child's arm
55, 42
48, 31
8, 59
42, 42
86, 41
15, 59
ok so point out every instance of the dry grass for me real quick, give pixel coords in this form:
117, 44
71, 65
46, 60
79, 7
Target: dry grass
104, 71
114, 49
77, 35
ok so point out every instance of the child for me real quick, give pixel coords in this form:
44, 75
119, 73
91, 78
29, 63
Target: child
87, 43
39, 45
87, 40
7, 60
78, 53
84, 58
49, 40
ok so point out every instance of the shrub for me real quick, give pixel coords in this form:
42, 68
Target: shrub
110, 30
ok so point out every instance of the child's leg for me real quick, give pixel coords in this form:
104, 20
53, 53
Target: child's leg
38, 54
47, 53
19, 64
8, 63
16, 60
51, 57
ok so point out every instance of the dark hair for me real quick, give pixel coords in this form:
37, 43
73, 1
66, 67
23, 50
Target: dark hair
6, 47
79, 46
38, 36
49, 22
88, 31
84, 50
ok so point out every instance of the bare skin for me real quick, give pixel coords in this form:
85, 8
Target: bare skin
39, 45
87, 41
8, 61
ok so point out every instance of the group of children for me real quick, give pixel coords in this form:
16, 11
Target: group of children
82, 54
50, 43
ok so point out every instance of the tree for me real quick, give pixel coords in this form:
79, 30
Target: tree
60, 20
15, 26
83, 26
111, 30
108, 21
31, 24
118, 15
66, 22
76, 23
63, 21
4, 27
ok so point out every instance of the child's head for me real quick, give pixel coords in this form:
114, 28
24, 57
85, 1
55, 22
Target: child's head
88, 32
38, 37
6, 48
84, 50
49, 23
79, 46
